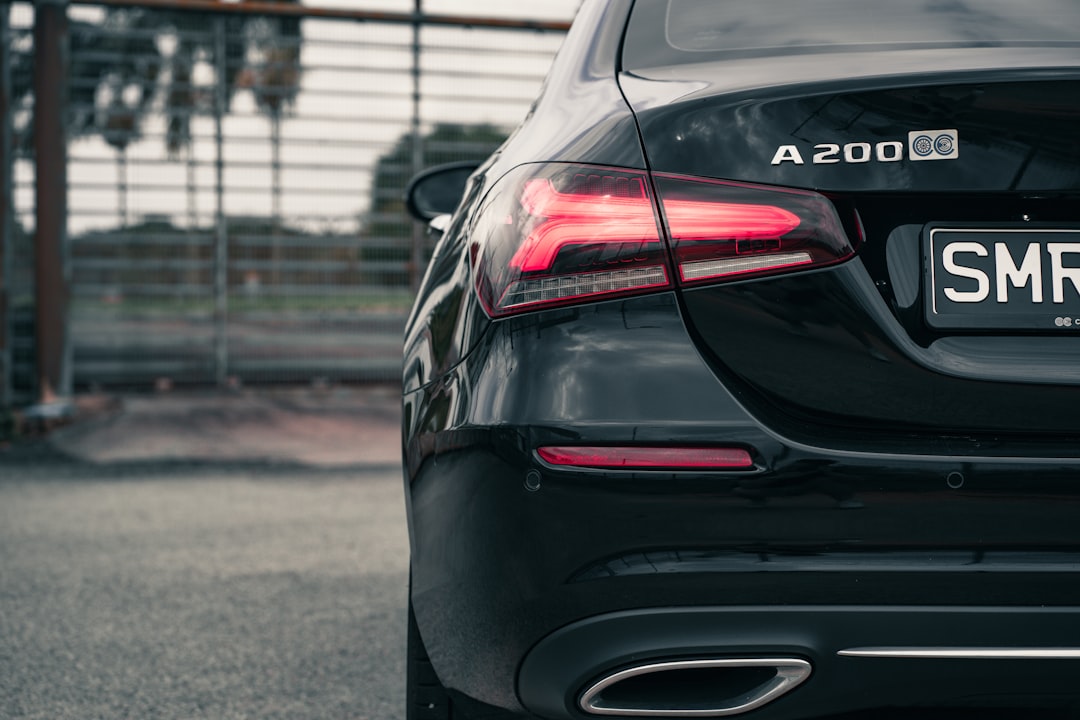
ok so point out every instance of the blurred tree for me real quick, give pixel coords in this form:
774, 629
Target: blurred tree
249, 40
387, 230
274, 79
119, 65
112, 78
122, 92
116, 69
261, 53
120, 126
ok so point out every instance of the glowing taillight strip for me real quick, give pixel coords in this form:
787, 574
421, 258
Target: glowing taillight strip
702, 269
647, 458
581, 219
570, 218
703, 220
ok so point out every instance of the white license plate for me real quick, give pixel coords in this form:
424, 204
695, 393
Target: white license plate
1024, 278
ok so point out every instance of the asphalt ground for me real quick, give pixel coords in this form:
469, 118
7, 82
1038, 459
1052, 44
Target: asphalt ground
236, 555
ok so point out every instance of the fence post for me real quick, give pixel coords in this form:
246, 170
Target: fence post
416, 260
221, 235
7, 207
50, 150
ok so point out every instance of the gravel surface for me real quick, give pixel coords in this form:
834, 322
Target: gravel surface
170, 589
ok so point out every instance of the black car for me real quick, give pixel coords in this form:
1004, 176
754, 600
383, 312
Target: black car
745, 376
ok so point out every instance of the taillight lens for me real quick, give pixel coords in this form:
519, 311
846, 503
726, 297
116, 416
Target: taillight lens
724, 230
555, 234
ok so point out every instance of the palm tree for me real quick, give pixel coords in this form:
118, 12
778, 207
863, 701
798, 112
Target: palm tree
120, 128
246, 48
245, 36
275, 81
116, 70
192, 43
113, 71
260, 53
124, 92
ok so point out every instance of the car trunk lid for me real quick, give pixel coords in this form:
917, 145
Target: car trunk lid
912, 164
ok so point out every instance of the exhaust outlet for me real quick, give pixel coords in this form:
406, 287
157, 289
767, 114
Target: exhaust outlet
715, 687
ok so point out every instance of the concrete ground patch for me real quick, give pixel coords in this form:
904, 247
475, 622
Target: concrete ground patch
331, 427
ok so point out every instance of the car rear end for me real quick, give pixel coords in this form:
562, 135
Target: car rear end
777, 411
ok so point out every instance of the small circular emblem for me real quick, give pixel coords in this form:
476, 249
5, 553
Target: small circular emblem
923, 145
943, 144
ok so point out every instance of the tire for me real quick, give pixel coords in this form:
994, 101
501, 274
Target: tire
426, 698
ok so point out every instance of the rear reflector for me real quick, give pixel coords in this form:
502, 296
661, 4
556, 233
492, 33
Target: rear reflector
648, 458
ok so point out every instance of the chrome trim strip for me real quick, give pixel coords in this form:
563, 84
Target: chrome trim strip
703, 269
790, 672
962, 653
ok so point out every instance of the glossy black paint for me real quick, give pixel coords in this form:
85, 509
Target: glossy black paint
1013, 136
895, 465
858, 370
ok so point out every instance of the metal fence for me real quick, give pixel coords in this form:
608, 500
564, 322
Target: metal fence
234, 181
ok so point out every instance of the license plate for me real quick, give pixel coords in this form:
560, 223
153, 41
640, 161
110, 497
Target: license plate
1020, 278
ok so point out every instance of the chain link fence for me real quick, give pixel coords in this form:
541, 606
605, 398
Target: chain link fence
234, 180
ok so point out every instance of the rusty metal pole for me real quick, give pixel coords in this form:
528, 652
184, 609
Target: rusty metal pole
50, 151
416, 259
7, 167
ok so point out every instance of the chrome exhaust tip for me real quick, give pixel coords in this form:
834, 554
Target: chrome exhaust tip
716, 687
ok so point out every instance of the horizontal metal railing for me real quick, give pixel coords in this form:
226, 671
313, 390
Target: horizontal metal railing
266, 241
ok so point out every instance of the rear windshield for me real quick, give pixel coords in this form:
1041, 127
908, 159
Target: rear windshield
667, 32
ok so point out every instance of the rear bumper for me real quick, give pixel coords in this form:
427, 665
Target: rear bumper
857, 657
499, 565
500, 570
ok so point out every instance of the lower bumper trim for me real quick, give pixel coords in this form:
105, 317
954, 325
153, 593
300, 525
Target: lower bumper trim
940, 658
972, 653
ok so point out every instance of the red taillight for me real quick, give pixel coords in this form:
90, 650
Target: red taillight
648, 458
619, 211
720, 230
698, 220
554, 234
